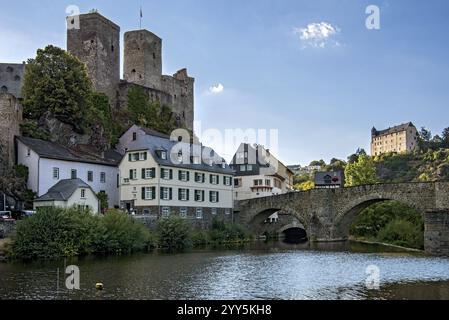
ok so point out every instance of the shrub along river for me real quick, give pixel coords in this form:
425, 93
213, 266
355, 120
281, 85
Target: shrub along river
255, 271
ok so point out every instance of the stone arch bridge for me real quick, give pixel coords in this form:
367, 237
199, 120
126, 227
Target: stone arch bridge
327, 214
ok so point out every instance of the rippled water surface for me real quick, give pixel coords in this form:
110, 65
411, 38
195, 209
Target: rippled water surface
260, 271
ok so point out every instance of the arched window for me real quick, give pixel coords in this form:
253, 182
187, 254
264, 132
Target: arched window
328, 179
3, 89
17, 78
9, 69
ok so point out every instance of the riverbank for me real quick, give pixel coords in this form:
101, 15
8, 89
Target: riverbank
364, 241
5, 244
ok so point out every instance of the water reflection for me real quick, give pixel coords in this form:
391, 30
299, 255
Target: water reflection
258, 271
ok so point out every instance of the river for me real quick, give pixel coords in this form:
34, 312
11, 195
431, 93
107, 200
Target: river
255, 271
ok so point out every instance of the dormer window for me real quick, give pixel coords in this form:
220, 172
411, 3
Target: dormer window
134, 136
180, 156
164, 155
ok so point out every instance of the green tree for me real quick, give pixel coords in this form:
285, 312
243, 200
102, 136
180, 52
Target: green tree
304, 186
424, 139
56, 82
363, 171
173, 233
354, 157
104, 200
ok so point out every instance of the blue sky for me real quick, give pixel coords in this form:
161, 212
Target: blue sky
323, 99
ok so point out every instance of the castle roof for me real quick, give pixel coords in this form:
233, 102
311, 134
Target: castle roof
52, 150
63, 190
399, 128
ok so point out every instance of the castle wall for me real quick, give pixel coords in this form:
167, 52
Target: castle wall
10, 120
11, 78
97, 44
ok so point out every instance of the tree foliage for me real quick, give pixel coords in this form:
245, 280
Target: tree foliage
56, 82
362, 171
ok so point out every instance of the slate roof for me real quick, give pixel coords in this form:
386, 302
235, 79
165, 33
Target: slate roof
63, 190
399, 128
154, 141
52, 150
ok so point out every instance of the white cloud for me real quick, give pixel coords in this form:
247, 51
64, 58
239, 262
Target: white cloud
216, 89
318, 35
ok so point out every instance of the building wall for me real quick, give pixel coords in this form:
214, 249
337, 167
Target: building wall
247, 190
97, 44
30, 159
10, 120
11, 78
404, 141
131, 190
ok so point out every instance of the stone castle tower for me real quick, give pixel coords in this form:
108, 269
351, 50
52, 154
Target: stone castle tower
10, 120
97, 44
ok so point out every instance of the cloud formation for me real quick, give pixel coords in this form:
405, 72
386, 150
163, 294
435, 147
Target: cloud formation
216, 89
318, 35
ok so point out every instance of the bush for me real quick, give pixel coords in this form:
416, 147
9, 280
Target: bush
402, 233
56, 232
120, 233
200, 238
222, 232
173, 233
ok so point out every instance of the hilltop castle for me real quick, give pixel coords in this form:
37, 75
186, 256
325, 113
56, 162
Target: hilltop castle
95, 40
97, 43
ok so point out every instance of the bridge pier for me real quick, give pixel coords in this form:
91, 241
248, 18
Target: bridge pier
436, 234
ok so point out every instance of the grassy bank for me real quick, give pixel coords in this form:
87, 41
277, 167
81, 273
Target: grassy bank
54, 233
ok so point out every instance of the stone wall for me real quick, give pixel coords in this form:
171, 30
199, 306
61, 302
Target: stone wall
10, 120
7, 228
436, 234
11, 78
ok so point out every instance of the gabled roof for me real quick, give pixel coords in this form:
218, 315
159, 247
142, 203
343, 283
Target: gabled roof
52, 150
399, 128
63, 190
154, 141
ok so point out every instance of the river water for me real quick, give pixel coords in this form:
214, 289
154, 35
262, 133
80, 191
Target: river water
256, 271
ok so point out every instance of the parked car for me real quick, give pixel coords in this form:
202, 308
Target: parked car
6, 216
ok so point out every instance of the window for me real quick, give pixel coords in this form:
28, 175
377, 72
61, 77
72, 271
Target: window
184, 175
183, 212
165, 212
196, 160
164, 155
213, 211
134, 136
200, 177
237, 182
28, 152
243, 168
166, 193
90, 176
214, 179
149, 173
56, 173
199, 195
227, 211
268, 182
227, 181
213, 196
183, 194
249, 167
73, 174
148, 193
4, 89
166, 174
240, 155
102, 177
142, 156
133, 174
83, 193
199, 213
258, 182
138, 156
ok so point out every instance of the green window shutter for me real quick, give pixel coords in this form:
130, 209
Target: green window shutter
171, 193
210, 178
179, 175
153, 189
143, 193
179, 194
162, 193
153, 173
162, 172
188, 175
210, 196
145, 157
143, 173
129, 157
188, 194
130, 174
171, 174
204, 177
203, 193
218, 196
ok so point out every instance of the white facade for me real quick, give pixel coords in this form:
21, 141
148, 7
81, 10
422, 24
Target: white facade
44, 173
82, 197
133, 181
249, 187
